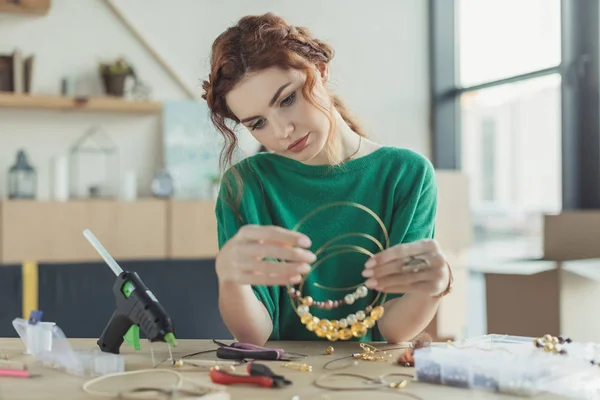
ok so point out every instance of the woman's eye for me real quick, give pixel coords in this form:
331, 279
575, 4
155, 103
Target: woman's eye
259, 124
288, 101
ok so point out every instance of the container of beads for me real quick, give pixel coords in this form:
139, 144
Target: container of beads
512, 365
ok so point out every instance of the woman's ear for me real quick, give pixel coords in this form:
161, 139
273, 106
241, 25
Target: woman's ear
323, 69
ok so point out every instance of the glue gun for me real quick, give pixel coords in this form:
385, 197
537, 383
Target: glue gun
137, 307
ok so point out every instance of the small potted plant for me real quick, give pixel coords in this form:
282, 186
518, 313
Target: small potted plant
114, 75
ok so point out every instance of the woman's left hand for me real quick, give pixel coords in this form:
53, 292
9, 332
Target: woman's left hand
417, 267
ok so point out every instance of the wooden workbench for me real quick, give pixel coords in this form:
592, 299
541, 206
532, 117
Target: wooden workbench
53, 384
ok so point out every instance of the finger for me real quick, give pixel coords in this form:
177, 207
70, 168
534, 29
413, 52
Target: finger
274, 234
286, 270
400, 279
402, 251
426, 261
288, 254
269, 280
396, 267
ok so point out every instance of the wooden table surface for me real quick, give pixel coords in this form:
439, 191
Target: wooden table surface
54, 384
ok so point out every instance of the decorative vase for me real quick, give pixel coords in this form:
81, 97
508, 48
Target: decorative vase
114, 84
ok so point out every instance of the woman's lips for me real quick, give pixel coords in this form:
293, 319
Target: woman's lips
298, 145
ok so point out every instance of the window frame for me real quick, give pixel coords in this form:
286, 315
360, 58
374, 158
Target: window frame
580, 92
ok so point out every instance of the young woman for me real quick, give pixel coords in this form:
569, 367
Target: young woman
325, 225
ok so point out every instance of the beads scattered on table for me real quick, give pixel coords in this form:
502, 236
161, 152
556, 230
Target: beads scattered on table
552, 344
399, 385
406, 359
329, 350
371, 353
298, 366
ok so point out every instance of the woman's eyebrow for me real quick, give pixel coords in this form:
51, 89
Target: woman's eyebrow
278, 93
273, 100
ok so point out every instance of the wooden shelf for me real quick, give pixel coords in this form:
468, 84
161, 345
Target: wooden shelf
49, 231
93, 104
35, 7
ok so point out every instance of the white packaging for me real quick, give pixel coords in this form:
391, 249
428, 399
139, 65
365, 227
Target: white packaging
59, 179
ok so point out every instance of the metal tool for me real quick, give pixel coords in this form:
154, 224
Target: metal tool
137, 308
258, 374
247, 351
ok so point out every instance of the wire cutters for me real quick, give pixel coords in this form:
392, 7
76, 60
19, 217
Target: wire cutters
258, 374
247, 351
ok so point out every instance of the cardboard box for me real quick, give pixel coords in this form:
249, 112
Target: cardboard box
559, 300
556, 294
451, 319
454, 229
572, 235
454, 234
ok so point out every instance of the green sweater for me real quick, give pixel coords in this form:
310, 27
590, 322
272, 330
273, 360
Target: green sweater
396, 184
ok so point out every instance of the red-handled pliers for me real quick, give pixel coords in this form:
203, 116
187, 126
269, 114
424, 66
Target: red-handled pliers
259, 374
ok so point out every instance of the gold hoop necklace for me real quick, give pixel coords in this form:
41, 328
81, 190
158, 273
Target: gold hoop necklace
354, 325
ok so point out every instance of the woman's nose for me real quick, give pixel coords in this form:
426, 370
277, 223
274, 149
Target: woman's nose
283, 129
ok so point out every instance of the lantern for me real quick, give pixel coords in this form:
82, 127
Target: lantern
22, 179
94, 165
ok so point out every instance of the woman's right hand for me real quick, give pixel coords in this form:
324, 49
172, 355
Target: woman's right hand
242, 259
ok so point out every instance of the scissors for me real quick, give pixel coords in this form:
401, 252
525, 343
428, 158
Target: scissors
244, 351
258, 374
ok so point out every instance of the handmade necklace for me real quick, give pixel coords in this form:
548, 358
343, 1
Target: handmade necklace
355, 324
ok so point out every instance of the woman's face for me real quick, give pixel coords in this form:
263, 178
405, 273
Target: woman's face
271, 105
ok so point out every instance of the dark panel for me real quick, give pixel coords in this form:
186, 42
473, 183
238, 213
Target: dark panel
445, 112
580, 117
11, 290
78, 297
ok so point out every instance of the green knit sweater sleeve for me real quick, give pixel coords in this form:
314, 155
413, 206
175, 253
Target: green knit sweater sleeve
228, 224
415, 205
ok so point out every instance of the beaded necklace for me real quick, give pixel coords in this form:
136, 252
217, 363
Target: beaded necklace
355, 324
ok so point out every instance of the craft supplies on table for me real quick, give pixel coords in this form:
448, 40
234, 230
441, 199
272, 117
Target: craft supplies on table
56, 351
247, 351
258, 374
513, 365
16, 373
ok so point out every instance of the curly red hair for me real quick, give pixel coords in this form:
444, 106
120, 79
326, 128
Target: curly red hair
257, 43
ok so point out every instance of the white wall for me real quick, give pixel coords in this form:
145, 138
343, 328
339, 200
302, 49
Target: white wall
380, 69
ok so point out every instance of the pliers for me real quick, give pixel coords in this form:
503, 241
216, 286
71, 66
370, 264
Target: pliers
247, 351
258, 374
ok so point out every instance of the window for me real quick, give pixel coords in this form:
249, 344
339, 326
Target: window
502, 38
515, 103
511, 138
510, 131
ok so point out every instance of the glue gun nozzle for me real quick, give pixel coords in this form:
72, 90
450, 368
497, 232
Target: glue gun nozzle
170, 339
